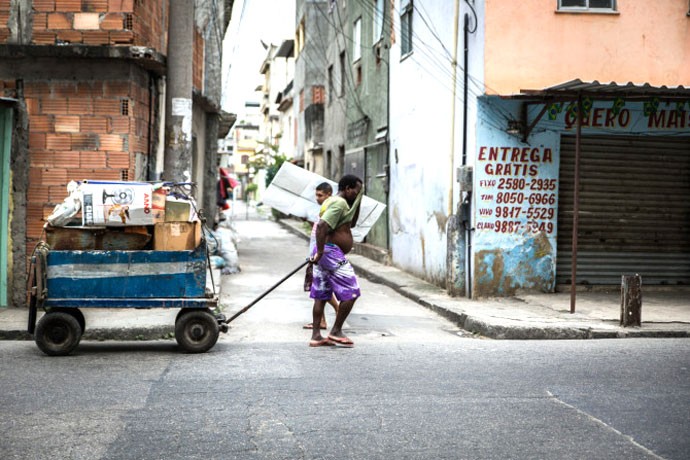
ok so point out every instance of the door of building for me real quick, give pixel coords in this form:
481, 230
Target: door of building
634, 210
5, 149
376, 183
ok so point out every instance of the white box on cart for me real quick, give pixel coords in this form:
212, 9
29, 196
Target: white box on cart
121, 204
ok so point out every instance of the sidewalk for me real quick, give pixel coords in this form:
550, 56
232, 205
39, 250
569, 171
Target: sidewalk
529, 316
533, 316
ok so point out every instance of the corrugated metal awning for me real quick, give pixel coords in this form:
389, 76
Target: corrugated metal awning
574, 88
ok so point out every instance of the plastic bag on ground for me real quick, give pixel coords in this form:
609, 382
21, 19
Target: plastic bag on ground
227, 250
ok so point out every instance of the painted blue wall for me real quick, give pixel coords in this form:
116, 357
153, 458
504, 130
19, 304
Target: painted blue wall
515, 198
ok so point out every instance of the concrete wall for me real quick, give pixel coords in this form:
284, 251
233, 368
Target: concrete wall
335, 117
426, 142
530, 45
309, 75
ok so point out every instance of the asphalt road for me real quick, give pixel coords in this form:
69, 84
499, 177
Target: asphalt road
413, 387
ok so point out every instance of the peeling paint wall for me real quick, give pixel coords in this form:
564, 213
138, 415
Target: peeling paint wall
426, 143
515, 205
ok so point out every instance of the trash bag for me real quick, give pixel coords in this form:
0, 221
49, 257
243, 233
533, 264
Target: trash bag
69, 208
227, 250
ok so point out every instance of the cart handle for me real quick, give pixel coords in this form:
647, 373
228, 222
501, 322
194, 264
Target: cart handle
227, 321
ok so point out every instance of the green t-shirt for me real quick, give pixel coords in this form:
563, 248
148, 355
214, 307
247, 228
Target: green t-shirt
336, 212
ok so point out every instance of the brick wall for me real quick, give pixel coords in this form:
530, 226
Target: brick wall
198, 66
81, 130
95, 22
4, 18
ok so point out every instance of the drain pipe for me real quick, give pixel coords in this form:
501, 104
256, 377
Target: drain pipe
467, 203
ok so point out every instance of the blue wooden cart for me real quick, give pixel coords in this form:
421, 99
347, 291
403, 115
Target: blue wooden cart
62, 282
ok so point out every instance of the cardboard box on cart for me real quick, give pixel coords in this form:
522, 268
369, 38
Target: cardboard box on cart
176, 236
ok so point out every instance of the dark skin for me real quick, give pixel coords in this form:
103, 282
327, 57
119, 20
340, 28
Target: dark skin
341, 237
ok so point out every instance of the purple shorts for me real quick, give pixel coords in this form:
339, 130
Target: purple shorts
334, 274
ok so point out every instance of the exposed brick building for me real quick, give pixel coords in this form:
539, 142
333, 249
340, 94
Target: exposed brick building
81, 85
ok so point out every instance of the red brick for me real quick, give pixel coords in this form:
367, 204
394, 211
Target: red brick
32, 105
67, 124
56, 193
69, 159
58, 142
37, 141
99, 6
64, 89
85, 141
68, 5
123, 37
70, 36
54, 176
79, 106
126, 6
119, 125
40, 20
90, 88
34, 176
96, 38
116, 88
34, 230
36, 88
38, 194
54, 106
41, 158
44, 38
92, 159
94, 125
118, 160
112, 21
59, 21
44, 5
101, 174
111, 142
41, 124
106, 107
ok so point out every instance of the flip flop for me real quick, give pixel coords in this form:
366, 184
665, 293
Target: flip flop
344, 341
321, 343
311, 326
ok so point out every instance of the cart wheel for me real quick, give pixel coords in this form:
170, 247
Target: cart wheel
196, 331
57, 333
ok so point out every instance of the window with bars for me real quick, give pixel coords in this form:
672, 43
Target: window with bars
587, 5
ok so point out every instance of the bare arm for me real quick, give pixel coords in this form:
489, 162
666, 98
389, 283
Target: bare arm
355, 217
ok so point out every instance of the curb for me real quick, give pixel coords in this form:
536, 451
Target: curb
480, 326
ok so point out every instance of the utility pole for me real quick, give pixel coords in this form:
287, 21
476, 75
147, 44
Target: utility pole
178, 100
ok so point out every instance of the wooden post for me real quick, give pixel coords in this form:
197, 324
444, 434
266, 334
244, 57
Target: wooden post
631, 301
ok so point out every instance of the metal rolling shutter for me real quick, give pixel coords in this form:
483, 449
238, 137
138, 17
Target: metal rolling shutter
634, 210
